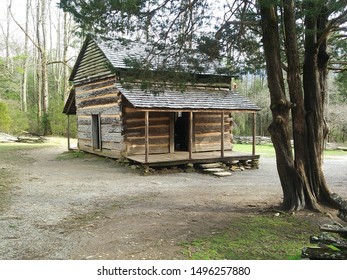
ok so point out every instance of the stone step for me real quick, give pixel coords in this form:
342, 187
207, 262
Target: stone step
213, 170
209, 165
222, 173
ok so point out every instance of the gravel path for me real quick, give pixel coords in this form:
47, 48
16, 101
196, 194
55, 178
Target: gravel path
93, 208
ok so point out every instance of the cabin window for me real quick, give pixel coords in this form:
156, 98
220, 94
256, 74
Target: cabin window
96, 132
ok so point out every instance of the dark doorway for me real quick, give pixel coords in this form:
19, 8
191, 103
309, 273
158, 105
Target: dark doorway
182, 132
96, 132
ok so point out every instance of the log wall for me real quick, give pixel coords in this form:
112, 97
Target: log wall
134, 131
92, 65
100, 97
207, 132
123, 127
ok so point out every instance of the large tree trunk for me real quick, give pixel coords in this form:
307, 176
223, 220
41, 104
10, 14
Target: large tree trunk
280, 106
302, 178
315, 77
302, 195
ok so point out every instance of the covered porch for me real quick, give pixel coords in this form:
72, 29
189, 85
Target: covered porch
181, 158
206, 127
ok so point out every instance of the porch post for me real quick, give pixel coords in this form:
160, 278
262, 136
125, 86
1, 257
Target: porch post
222, 135
172, 133
190, 142
146, 136
254, 132
68, 132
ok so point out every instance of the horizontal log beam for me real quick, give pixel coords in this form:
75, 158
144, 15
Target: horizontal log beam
95, 85
141, 140
97, 93
154, 149
211, 129
97, 102
201, 110
102, 109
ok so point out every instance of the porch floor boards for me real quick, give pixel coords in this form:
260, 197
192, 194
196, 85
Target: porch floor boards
181, 157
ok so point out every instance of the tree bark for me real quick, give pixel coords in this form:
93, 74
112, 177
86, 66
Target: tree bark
302, 177
7, 35
302, 187
314, 82
280, 106
44, 70
42, 74
39, 64
25, 62
65, 50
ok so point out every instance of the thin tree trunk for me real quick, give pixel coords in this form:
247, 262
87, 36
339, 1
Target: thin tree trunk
7, 35
44, 69
65, 50
59, 69
25, 63
39, 64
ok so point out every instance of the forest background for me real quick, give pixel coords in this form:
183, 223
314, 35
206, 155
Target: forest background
40, 43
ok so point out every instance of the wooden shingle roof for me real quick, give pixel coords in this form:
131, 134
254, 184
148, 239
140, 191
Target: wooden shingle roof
117, 54
191, 100
96, 56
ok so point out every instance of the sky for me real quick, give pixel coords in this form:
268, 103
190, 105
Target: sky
18, 11
17, 36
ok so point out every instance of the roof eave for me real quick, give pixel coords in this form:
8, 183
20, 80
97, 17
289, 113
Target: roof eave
194, 110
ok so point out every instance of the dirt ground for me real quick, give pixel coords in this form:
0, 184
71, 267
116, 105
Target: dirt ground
94, 208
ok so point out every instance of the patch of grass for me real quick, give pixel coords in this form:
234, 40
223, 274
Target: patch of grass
261, 237
335, 153
72, 155
23, 146
13, 152
266, 150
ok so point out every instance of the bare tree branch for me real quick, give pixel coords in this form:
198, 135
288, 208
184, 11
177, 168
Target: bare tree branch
59, 62
26, 33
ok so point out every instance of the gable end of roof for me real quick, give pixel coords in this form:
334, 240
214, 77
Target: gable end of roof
91, 63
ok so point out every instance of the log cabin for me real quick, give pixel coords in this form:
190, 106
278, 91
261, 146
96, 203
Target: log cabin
156, 127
